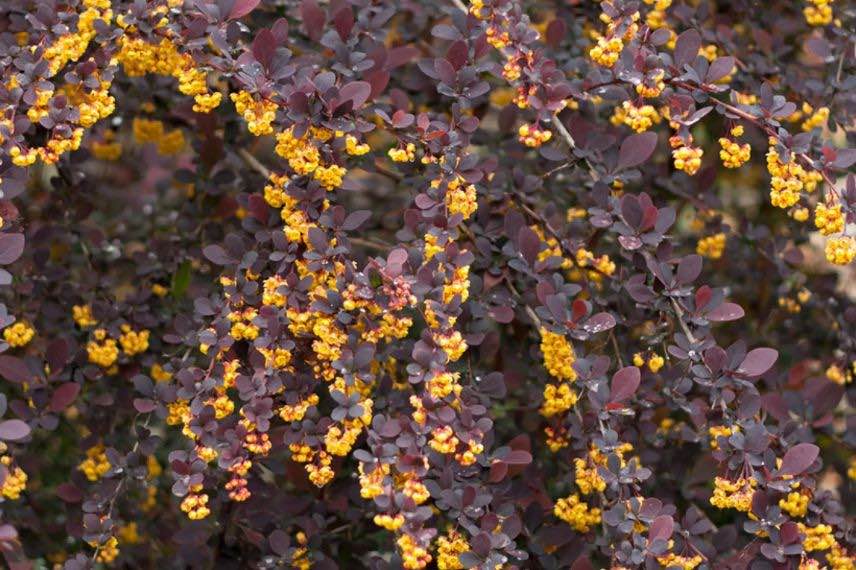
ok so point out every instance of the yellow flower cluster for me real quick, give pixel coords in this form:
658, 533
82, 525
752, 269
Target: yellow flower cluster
607, 51
511, 69
413, 555
815, 118
195, 504
586, 477
461, 198
733, 154
788, 179
818, 12
817, 537
655, 361
829, 219
354, 147
577, 513
159, 374
558, 399
441, 384
96, 463
242, 325
93, 105
301, 154
71, 46
711, 247
840, 559
556, 438
139, 58
19, 334
687, 158
331, 176
840, 250
656, 18
107, 148
452, 343
652, 85
223, 406
15, 481
672, 560
533, 136
640, 118
166, 142
458, 286
109, 551
258, 114
841, 377
389, 522
134, 342
449, 549
729, 494
715, 432
102, 350
406, 154
795, 504
558, 355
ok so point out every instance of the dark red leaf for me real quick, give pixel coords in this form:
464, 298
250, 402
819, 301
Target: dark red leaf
624, 384
242, 7
636, 149
758, 361
64, 395
799, 458
686, 47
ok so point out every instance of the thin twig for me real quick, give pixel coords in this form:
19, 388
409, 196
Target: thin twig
460, 6
681, 322
615, 348
253, 162
565, 134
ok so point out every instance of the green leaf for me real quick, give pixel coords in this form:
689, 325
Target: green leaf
181, 280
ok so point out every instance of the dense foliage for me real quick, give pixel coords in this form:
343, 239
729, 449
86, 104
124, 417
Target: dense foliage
390, 283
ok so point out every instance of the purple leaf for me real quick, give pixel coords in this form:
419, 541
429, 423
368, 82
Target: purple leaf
279, 542
313, 19
686, 47
216, 254
64, 395
14, 369
661, 528
721, 67
518, 457
624, 384
13, 430
599, 323
529, 244
356, 219
688, 269
242, 7
264, 47
726, 312
11, 247
758, 361
636, 149
799, 458
356, 91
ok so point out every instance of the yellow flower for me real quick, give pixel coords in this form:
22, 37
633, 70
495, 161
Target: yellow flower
82, 315
577, 513
19, 334
558, 355
134, 342
711, 246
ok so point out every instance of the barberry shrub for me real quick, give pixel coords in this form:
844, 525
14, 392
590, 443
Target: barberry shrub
397, 284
